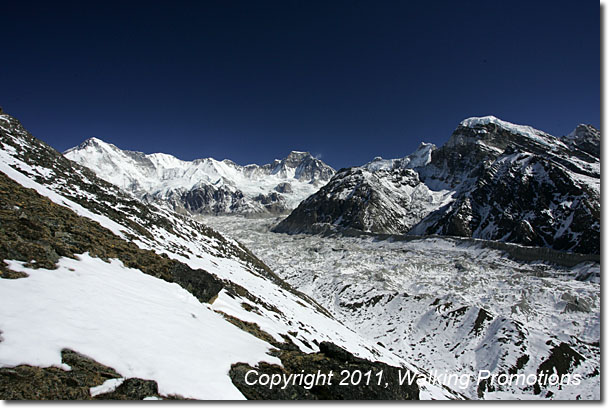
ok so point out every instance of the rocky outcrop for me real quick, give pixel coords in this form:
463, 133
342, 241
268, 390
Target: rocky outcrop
51, 383
331, 366
283, 188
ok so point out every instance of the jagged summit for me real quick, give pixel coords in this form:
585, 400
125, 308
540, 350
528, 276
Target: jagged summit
585, 137
298, 154
421, 157
91, 143
494, 133
206, 185
583, 130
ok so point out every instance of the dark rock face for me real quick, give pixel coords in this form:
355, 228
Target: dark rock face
331, 358
283, 188
132, 389
461, 159
562, 361
201, 284
586, 138
357, 198
508, 203
212, 200
531, 193
204, 199
268, 199
307, 168
52, 383
509, 183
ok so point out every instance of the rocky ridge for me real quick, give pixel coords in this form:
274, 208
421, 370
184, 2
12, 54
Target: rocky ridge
492, 180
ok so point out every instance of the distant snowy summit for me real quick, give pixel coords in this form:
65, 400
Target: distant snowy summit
421, 157
491, 180
206, 185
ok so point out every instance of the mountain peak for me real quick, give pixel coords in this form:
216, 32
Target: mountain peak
474, 121
490, 132
93, 141
89, 142
419, 158
297, 156
478, 122
585, 137
305, 167
584, 130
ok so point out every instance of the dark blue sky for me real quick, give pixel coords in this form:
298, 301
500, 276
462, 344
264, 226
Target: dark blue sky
252, 80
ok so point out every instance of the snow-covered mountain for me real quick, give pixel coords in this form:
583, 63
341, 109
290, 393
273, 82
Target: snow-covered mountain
492, 180
421, 157
586, 138
106, 297
383, 200
206, 185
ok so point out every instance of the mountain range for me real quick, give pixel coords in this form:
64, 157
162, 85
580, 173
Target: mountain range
206, 185
492, 180
112, 294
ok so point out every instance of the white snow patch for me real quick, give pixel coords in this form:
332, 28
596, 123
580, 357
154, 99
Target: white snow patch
108, 386
141, 326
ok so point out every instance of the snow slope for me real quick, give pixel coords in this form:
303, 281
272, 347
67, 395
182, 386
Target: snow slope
139, 325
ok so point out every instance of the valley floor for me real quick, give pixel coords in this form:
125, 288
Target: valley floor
448, 306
